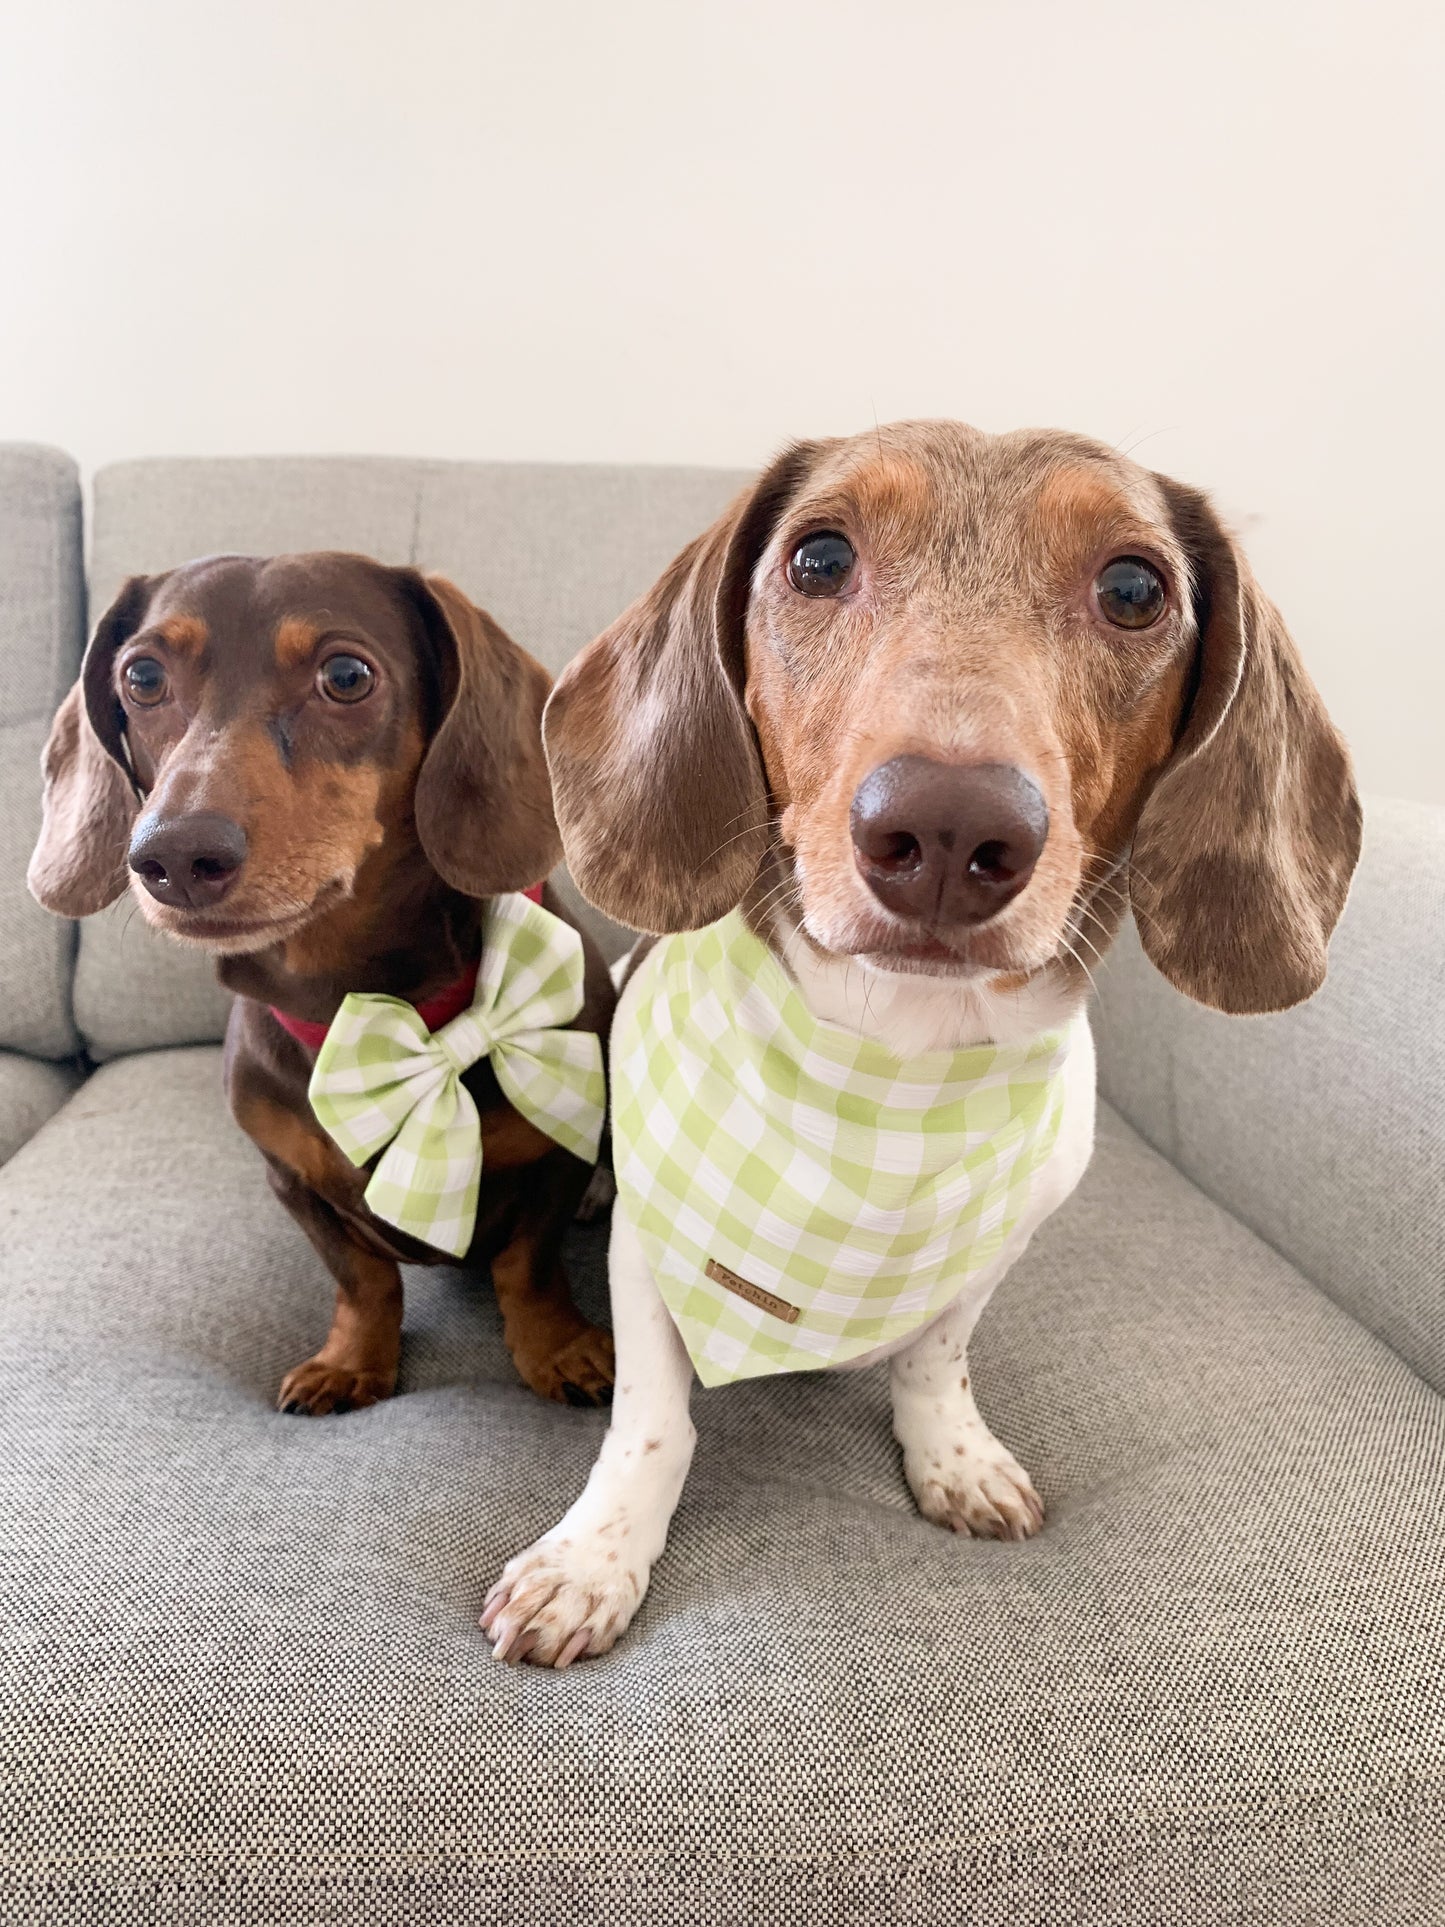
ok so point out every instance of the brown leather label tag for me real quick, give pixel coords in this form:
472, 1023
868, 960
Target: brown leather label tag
755, 1295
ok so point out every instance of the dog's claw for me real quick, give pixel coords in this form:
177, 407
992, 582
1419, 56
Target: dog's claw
319, 1390
600, 1395
575, 1648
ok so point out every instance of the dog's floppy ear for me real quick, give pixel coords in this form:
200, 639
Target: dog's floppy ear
79, 863
656, 775
1244, 850
483, 802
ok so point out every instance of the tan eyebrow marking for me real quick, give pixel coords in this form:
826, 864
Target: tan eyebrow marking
187, 635
890, 488
1080, 501
888, 495
1080, 491
296, 639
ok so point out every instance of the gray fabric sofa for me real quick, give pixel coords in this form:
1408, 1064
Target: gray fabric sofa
242, 1680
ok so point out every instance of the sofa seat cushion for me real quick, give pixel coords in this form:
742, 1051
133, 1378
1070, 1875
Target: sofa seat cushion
31, 1090
243, 1680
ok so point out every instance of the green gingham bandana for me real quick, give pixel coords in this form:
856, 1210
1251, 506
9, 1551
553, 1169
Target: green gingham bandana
803, 1195
382, 1079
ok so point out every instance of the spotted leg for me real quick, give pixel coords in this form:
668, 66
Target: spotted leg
576, 1590
960, 1475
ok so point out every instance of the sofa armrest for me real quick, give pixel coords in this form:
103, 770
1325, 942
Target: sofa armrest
1323, 1129
31, 1090
42, 632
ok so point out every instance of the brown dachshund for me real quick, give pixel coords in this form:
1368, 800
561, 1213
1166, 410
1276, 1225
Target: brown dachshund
319, 768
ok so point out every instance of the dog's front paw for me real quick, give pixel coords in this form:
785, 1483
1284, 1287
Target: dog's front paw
317, 1388
977, 1487
562, 1599
579, 1371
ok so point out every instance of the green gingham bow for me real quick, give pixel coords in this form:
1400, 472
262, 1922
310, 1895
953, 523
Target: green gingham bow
382, 1079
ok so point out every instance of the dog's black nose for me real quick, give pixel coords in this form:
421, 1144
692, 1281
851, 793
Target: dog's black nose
947, 843
190, 861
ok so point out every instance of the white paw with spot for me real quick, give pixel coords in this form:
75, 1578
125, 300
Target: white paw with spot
971, 1483
570, 1595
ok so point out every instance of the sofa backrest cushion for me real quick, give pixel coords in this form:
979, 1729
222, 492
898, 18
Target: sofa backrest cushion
554, 553
42, 620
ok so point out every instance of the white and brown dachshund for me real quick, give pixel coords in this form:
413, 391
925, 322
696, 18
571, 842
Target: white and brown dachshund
934, 707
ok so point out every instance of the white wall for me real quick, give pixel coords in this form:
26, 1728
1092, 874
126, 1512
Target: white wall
660, 230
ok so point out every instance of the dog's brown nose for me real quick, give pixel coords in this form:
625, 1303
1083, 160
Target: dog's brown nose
947, 843
189, 862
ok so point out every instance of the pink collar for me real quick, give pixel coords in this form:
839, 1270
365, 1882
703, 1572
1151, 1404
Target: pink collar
435, 1012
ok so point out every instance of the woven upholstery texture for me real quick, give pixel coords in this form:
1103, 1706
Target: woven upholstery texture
31, 1090
242, 1680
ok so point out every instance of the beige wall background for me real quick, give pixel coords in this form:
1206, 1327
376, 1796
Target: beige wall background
658, 231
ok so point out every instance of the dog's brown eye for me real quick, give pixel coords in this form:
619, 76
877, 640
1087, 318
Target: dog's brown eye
146, 681
1130, 593
345, 679
822, 563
